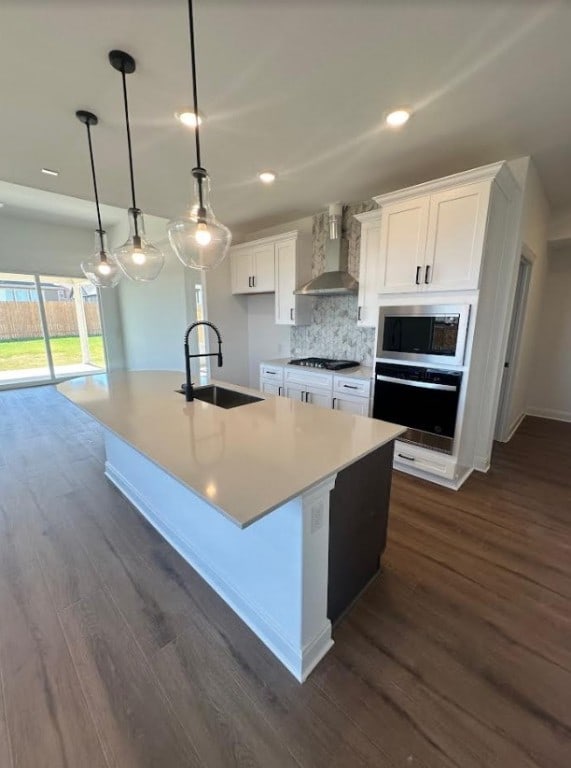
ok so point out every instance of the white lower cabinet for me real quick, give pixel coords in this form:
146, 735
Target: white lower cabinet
413, 457
314, 387
270, 387
321, 388
318, 397
271, 379
349, 404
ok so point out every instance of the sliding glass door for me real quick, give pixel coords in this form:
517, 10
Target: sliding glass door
23, 348
73, 325
50, 328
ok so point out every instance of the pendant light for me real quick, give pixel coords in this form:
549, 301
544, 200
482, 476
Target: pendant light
199, 240
101, 269
139, 258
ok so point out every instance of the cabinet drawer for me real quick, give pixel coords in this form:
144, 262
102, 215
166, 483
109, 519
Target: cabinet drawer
344, 385
407, 455
272, 373
313, 380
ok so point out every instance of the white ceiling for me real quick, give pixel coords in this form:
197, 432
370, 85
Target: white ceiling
299, 87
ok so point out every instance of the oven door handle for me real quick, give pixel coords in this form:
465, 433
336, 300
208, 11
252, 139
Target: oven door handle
420, 384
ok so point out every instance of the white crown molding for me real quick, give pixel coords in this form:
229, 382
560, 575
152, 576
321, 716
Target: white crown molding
484, 173
263, 240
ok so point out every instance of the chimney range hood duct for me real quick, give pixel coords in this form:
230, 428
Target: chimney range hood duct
335, 281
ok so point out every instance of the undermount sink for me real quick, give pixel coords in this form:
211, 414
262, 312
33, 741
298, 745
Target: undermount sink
222, 397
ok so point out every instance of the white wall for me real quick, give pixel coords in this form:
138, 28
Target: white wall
153, 315
560, 228
550, 391
534, 229
28, 246
266, 340
34, 246
230, 314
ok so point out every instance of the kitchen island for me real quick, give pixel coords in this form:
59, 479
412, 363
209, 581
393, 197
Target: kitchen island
246, 496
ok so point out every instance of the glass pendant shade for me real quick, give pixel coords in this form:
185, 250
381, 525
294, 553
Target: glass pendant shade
199, 240
101, 269
139, 259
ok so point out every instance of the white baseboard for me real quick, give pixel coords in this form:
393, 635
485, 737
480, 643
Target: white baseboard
549, 413
300, 664
513, 429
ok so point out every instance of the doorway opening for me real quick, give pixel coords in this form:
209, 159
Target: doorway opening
506, 422
50, 328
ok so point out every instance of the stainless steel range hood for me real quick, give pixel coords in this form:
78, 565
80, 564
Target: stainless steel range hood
335, 281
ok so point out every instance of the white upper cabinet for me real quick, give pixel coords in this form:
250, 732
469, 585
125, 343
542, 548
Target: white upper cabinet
253, 269
293, 268
275, 264
455, 242
263, 272
432, 238
241, 267
368, 266
403, 244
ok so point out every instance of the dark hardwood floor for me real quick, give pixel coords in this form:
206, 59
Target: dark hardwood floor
114, 653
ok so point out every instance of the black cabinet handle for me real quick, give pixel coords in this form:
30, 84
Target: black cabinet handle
280, 390
359, 314
271, 373
307, 397
417, 281
427, 274
402, 456
333, 403
350, 386
291, 314
302, 393
250, 281
253, 281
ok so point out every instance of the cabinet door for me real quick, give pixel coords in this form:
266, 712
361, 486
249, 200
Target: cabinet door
241, 271
285, 282
456, 231
263, 280
368, 280
318, 397
295, 392
348, 404
403, 245
271, 388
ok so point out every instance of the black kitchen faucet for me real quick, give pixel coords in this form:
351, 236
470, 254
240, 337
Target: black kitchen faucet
188, 388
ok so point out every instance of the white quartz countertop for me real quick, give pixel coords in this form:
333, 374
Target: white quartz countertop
359, 372
245, 461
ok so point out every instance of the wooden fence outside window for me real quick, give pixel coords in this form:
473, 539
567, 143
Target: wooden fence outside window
20, 320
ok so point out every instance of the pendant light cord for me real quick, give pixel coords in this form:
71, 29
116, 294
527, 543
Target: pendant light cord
95, 192
195, 99
130, 150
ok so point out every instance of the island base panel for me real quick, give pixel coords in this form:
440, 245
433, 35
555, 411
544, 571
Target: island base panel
359, 512
273, 573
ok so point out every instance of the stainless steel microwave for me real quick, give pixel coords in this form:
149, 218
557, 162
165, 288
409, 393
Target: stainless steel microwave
423, 334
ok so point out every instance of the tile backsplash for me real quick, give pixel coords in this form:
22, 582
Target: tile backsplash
333, 331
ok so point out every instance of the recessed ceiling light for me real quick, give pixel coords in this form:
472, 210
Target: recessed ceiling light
267, 177
49, 172
397, 117
188, 118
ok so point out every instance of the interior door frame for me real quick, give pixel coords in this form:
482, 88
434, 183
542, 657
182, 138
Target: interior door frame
504, 431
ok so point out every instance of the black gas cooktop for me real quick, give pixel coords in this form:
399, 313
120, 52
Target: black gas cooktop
324, 362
